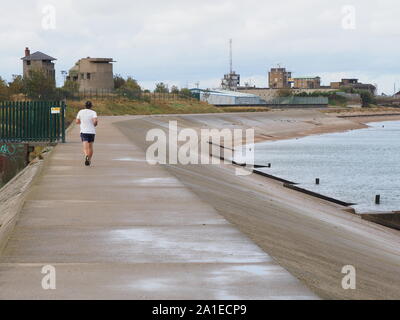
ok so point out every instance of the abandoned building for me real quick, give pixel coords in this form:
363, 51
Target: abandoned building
38, 61
93, 74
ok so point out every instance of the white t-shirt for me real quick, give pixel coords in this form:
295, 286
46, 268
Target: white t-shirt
86, 116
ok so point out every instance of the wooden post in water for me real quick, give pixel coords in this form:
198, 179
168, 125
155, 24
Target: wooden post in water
378, 199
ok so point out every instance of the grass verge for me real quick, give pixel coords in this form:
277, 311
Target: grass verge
115, 107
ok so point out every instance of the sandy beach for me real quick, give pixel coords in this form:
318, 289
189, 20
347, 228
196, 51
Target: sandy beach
311, 238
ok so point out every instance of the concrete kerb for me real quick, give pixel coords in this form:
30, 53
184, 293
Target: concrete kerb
17, 188
14, 193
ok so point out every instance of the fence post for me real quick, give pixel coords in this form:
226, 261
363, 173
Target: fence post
2, 118
63, 107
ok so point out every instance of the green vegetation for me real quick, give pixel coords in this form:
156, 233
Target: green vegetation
38, 87
125, 106
334, 98
161, 88
185, 92
4, 91
118, 81
367, 98
16, 86
69, 90
174, 90
128, 88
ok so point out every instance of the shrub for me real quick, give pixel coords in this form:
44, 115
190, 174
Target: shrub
367, 98
4, 90
38, 86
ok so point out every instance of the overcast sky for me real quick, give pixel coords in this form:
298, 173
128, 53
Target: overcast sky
183, 41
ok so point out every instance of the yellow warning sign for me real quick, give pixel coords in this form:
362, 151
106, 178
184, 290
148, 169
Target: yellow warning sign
55, 110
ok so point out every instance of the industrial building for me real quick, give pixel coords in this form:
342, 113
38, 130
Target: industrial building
38, 61
307, 83
231, 81
226, 98
353, 83
279, 78
93, 74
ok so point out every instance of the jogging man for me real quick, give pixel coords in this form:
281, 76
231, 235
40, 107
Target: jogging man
87, 118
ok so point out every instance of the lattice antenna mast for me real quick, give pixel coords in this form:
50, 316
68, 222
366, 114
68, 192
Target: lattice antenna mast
230, 56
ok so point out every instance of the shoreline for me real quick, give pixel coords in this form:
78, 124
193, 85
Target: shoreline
360, 121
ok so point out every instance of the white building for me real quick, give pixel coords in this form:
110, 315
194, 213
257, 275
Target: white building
226, 98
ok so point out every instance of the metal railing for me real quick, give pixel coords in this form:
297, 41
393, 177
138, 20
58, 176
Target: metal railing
32, 121
122, 93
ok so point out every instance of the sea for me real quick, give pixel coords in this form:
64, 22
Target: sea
353, 166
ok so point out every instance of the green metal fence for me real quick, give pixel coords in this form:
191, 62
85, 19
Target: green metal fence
299, 100
32, 121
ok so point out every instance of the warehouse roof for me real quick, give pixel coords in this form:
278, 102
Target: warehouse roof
305, 78
224, 93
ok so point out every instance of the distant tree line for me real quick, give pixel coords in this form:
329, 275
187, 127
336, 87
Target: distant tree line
130, 87
40, 87
367, 98
36, 87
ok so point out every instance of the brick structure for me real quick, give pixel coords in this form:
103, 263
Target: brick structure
307, 83
353, 83
38, 61
278, 78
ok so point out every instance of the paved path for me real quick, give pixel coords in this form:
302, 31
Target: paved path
123, 229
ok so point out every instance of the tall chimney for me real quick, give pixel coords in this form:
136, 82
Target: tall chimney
27, 52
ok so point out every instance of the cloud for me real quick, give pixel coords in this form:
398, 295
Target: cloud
187, 41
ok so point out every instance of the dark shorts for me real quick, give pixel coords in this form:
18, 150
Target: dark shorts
87, 137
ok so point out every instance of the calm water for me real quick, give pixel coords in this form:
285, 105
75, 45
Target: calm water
353, 166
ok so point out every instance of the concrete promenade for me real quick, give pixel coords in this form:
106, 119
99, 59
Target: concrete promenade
123, 229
